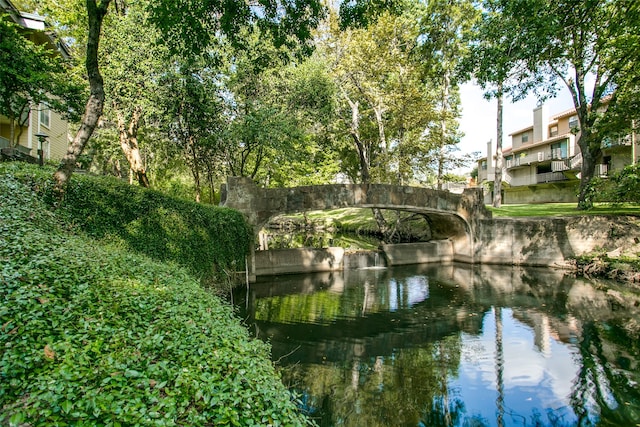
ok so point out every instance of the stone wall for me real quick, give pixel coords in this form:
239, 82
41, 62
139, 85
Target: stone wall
561, 192
552, 241
548, 242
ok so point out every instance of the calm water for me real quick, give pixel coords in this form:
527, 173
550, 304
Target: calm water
452, 345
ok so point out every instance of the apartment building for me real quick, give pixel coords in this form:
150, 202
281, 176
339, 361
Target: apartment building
543, 163
39, 120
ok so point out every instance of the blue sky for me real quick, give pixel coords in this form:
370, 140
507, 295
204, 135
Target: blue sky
478, 121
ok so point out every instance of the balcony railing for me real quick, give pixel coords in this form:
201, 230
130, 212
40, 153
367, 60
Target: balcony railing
4, 142
609, 142
550, 177
601, 170
559, 165
512, 163
576, 162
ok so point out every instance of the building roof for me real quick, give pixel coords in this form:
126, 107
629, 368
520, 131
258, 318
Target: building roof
567, 113
35, 22
521, 131
538, 144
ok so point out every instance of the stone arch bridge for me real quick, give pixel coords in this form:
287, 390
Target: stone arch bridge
451, 216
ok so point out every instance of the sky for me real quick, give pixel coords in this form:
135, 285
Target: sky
478, 121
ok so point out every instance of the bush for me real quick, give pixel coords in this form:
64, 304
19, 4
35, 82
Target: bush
206, 239
619, 187
91, 334
625, 185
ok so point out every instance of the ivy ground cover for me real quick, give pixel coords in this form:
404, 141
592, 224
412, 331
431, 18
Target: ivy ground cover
93, 334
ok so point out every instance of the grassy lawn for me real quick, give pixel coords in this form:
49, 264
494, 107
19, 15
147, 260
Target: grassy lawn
562, 209
353, 218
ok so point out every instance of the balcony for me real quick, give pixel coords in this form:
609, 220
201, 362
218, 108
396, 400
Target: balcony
542, 178
602, 170
559, 165
617, 141
512, 163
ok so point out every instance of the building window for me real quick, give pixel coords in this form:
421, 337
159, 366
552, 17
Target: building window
553, 131
525, 138
559, 150
45, 115
573, 123
484, 165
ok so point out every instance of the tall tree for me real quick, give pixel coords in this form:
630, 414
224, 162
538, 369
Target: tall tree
444, 27
495, 61
192, 26
569, 43
387, 103
132, 61
193, 110
96, 11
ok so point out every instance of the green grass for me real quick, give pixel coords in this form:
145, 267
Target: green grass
562, 209
352, 219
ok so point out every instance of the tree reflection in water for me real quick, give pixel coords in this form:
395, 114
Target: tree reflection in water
451, 346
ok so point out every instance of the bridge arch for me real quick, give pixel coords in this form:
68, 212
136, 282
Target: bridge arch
451, 216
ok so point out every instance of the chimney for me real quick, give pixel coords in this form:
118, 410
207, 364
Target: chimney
491, 152
540, 124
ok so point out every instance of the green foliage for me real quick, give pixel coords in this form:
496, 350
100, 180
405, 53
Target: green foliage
626, 184
205, 239
92, 334
621, 187
31, 74
362, 13
193, 26
562, 209
386, 100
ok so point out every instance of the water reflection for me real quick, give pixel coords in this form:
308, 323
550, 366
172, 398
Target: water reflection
452, 345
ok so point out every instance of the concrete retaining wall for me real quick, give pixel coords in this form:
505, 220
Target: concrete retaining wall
511, 241
419, 253
303, 260
363, 259
552, 241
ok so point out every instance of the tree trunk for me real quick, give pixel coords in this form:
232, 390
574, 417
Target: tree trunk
383, 227
129, 144
360, 148
497, 183
95, 104
378, 111
195, 169
443, 129
587, 170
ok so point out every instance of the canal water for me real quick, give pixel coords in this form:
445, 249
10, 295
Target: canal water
452, 345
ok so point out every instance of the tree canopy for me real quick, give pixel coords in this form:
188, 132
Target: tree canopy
377, 101
538, 46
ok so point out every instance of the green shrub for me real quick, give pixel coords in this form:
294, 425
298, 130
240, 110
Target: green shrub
206, 239
92, 334
625, 185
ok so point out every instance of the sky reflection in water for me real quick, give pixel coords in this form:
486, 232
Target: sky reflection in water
451, 345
